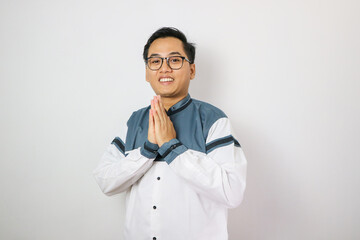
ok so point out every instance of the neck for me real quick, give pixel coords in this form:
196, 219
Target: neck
169, 102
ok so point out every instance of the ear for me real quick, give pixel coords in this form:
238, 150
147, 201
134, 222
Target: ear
192, 71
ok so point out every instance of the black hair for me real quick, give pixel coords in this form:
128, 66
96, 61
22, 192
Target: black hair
164, 32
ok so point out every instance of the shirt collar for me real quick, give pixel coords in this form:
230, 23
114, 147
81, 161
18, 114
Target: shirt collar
179, 106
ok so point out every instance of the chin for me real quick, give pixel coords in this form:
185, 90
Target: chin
168, 95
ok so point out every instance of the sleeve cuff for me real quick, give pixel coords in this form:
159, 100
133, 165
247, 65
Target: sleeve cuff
171, 149
149, 149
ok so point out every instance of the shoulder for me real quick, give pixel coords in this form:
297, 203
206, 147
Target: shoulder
138, 116
208, 111
209, 115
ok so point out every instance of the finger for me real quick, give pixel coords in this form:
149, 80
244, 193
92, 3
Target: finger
159, 110
151, 119
162, 109
151, 123
162, 106
152, 104
151, 130
156, 117
157, 126
156, 108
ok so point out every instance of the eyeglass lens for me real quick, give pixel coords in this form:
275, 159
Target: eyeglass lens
174, 62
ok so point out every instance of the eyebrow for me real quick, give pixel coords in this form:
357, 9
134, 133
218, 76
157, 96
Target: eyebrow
174, 53
158, 55
155, 55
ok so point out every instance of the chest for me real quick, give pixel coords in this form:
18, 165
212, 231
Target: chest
188, 127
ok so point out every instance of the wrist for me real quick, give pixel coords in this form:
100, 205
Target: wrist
152, 141
162, 142
171, 149
149, 149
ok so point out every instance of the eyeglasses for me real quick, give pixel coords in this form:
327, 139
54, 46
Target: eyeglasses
174, 62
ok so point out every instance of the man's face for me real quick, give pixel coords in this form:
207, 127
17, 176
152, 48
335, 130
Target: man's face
166, 82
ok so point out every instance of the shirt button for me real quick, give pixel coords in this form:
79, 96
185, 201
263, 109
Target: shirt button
154, 207
158, 178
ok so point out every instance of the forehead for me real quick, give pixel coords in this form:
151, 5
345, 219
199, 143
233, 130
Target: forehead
165, 46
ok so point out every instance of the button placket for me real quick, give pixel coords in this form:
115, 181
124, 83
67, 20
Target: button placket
155, 202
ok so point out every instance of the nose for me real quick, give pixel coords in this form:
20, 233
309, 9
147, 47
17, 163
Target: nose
165, 66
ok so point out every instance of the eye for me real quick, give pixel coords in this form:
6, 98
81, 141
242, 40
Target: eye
154, 61
175, 59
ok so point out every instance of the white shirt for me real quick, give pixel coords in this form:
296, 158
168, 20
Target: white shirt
183, 189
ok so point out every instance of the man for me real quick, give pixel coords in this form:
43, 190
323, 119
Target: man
176, 159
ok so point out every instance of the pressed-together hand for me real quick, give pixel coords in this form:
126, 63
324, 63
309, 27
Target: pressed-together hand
151, 130
161, 129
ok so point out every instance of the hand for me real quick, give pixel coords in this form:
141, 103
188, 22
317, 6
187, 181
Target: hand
164, 128
151, 130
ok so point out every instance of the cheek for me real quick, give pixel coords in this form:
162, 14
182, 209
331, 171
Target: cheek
148, 76
185, 74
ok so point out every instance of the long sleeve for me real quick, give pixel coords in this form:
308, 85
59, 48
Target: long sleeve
118, 169
220, 173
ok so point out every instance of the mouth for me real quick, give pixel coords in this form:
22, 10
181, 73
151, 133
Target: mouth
167, 79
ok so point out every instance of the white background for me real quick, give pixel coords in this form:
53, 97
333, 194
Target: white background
286, 73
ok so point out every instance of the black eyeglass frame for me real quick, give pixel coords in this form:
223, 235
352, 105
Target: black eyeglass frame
167, 62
